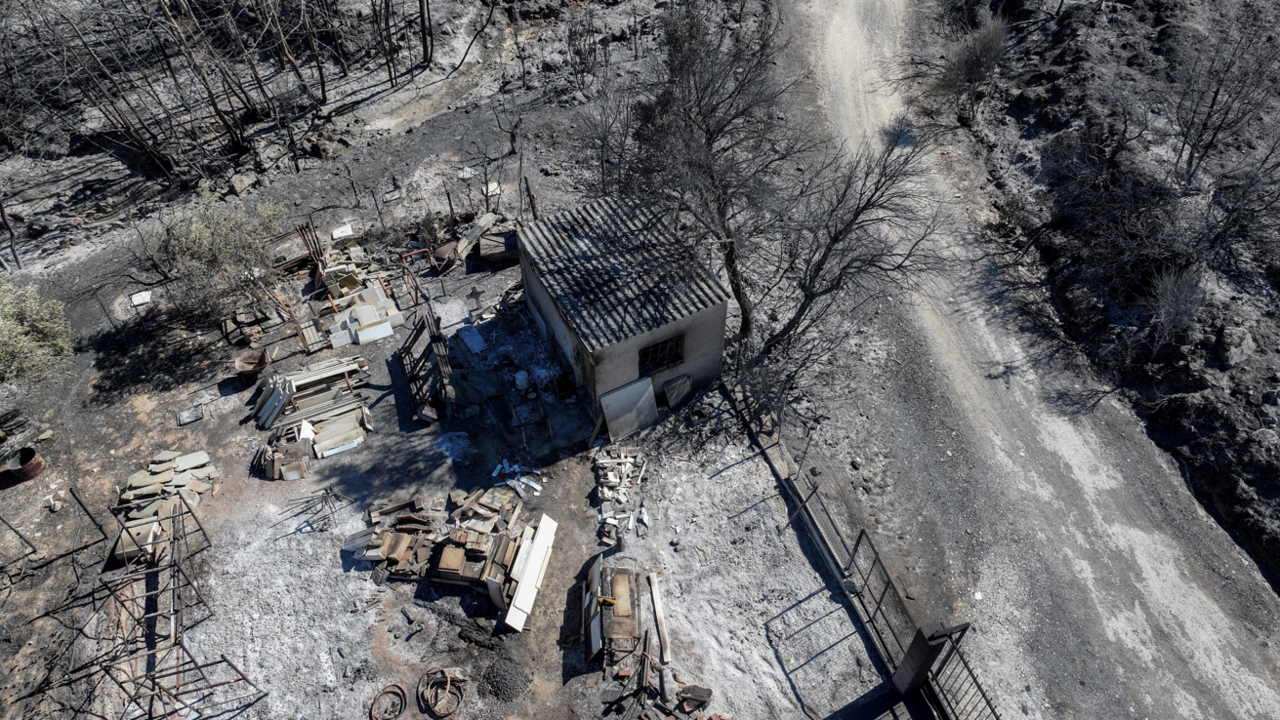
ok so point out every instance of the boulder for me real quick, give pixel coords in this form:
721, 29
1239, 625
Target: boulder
241, 182
1235, 345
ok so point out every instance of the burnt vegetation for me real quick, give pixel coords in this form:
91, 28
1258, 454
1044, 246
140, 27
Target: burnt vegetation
184, 90
805, 232
1133, 153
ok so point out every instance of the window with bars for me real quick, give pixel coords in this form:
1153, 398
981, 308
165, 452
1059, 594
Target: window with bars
661, 355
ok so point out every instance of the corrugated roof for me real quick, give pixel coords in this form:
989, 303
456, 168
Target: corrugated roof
617, 270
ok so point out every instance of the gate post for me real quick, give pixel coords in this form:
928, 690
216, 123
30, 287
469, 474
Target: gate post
917, 661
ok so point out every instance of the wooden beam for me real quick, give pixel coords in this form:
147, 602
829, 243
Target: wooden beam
660, 617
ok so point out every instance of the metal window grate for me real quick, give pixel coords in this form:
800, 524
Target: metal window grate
661, 355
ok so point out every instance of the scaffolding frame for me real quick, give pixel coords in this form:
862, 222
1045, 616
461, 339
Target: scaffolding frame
159, 694
175, 531
160, 676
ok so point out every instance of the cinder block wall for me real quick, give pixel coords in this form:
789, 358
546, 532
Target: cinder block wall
547, 315
619, 364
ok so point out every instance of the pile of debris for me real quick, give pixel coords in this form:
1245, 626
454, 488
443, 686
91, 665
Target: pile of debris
486, 542
256, 324
519, 479
364, 316
348, 270
172, 482
619, 472
454, 253
313, 411
612, 612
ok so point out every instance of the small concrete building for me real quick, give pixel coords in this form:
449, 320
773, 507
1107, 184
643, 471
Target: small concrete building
623, 298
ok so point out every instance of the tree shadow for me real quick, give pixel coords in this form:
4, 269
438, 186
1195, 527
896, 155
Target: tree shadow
572, 642
134, 358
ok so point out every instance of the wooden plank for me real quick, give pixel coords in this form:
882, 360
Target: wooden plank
621, 591
660, 618
527, 590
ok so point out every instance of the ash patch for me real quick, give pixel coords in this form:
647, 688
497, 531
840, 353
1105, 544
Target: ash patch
480, 635
503, 680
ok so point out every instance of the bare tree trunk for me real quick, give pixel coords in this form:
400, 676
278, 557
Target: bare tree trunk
738, 288
315, 52
493, 5
233, 130
252, 62
427, 30
288, 54
13, 237
391, 40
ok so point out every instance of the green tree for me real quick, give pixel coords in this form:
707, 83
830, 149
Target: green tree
32, 334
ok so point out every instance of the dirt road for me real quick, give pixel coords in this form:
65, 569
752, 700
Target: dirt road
1097, 585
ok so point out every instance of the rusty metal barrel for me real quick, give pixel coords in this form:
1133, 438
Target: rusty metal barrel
25, 464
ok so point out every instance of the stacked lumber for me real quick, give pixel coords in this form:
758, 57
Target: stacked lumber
315, 411
619, 472
320, 391
171, 480
485, 542
363, 317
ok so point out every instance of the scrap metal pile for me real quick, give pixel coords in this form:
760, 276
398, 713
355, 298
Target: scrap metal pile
619, 472
171, 483
612, 623
315, 411
486, 542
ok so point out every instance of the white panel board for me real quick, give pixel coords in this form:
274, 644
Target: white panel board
527, 590
374, 331
629, 409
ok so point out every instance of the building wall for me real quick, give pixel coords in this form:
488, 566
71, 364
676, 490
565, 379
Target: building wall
551, 323
619, 364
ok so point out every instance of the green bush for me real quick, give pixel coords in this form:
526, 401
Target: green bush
212, 257
32, 334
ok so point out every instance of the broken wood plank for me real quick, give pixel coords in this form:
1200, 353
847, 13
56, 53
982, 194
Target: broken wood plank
660, 618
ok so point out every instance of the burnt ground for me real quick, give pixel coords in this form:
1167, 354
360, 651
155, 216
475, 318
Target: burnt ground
1003, 481
1097, 585
1077, 72
749, 615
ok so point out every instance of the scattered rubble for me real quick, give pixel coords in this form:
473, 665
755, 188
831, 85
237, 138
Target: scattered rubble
619, 472
485, 543
364, 317
348, 270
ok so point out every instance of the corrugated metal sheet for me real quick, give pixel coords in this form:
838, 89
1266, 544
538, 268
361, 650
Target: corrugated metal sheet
617, 270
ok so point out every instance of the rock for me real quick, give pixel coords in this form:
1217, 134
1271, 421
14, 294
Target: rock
1265, 437
44, 436
1235, 345
241, 182
552, 62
